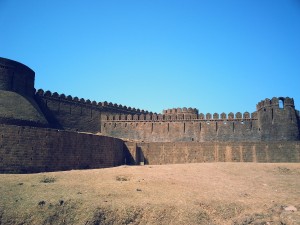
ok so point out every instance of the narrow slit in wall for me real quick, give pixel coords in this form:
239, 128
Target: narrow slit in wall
272, 114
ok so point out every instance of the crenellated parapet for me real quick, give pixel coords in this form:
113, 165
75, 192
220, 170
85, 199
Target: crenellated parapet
275, 102
88, 103
176, 111
278, 119
152, 117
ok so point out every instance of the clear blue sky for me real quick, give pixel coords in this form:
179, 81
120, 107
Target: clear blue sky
217, 56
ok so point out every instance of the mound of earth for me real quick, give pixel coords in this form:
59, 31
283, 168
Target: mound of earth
207, 193
17, 109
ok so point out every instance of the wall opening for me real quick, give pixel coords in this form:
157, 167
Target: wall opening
281, 103
272, 114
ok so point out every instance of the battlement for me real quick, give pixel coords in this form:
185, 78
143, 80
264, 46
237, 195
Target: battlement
181, 117
280, 102
183, 110
88, 103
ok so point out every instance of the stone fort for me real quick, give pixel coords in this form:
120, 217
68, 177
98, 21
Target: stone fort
46, 131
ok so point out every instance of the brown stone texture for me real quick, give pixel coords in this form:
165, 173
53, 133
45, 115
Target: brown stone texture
31, 149
179, 135
268, 123
72, 113
193, 152
177, 131
15, 76
20, 110
278, 123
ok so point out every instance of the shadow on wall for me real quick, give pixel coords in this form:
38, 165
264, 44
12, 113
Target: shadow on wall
129, 159
140, 157
53, 122
135, 156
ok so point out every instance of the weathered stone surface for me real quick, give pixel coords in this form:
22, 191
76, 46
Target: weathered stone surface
178, 135
32, 149
194, 152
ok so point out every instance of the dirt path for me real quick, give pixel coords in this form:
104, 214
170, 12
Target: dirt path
212, 193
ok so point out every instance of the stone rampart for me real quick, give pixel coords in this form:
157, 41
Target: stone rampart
178, 135
106, 106
278, 119
176, 127
192, 152
32, 149
72, 113
181, 117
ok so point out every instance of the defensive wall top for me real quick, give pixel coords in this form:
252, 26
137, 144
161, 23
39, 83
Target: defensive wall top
275, 102
183, 110
88, 103
181, 114
182, 117
14, 65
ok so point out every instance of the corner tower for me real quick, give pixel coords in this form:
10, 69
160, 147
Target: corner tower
278, 119
17, 103
16, 77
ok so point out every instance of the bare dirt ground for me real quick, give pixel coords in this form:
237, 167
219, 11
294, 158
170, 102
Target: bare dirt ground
207, 193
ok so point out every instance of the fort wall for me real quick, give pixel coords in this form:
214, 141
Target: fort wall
278, 121
177, 131
77, 114
179, 135
269, 122
193, 152
183, 127
32, 149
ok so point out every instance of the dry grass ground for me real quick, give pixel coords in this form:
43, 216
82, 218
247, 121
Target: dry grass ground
211, 193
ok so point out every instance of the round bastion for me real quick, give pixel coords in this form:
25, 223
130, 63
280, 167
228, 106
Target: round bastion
16, 77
